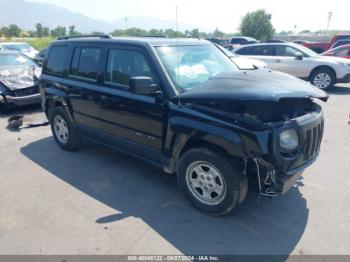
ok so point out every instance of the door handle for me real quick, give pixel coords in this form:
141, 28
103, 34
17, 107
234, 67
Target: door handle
107, 101
278, 60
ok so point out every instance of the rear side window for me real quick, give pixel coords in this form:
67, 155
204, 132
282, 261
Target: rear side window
123, 64
85, 62
266, 50
246, 51
57, 60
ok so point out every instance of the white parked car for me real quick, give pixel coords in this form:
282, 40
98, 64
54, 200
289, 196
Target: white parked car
22, 47
323, 72
242, 62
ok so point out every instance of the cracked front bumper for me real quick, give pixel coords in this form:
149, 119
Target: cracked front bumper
23, 100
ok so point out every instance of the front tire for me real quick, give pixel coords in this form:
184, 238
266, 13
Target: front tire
210, 181
63, 130
323, 78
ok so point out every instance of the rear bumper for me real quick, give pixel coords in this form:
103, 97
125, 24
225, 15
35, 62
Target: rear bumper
345, 79
23, 100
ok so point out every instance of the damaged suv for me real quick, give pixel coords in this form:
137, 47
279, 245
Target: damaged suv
184, 106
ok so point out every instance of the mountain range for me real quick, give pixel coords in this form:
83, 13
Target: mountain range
26, 14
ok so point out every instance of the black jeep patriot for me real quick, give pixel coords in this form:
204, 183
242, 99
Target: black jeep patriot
184, 106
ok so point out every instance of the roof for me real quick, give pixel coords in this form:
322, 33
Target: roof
154, 41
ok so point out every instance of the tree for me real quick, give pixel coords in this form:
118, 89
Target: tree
4, 31
11, 31
133, 31
257, 24
14, 30
59, 31
39, 30
72, 32
46, 31
218, 33
195, 33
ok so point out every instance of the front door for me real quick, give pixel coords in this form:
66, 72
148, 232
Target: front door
286, 61
132, 122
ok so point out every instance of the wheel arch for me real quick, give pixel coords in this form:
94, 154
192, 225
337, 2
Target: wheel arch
182, 142
323, 67
54, 101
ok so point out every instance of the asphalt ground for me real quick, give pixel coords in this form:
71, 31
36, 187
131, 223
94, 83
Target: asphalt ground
98, 201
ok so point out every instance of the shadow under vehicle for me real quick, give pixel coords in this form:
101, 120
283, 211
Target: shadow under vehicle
184, 106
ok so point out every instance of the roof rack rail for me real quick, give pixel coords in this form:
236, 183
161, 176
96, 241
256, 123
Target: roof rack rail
83, 36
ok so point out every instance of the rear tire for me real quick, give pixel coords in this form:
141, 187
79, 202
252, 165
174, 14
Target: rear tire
323, 78
63, 130
210, 181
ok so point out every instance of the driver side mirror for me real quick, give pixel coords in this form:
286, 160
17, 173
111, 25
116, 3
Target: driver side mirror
142, 85
299, 56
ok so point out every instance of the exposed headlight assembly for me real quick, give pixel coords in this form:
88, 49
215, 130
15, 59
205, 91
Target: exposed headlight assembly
288, 140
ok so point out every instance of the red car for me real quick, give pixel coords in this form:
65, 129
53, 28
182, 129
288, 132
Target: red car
341, 51
319, 47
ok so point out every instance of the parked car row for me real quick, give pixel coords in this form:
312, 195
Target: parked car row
322, 71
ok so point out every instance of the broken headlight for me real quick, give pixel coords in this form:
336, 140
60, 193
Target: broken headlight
288, 140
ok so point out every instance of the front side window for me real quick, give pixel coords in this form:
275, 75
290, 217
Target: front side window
57, 59
190, 66
286, 51
123, 64
85, 62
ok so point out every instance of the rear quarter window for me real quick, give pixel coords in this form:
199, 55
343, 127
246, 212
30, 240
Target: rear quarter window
56, 61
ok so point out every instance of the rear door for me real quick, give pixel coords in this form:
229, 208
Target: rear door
84, 75
264, 53
131, 122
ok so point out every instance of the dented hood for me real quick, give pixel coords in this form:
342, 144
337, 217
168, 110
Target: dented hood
253, 85
19, 77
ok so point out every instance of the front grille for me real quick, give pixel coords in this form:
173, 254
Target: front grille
313, 140
27, 91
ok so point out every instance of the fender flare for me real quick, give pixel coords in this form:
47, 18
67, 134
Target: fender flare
59, 97
181, 132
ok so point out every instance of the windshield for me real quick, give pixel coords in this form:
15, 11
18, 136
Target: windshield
190, 66
15, 60
18, 47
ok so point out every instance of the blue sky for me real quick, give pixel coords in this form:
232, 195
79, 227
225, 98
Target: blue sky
224, 14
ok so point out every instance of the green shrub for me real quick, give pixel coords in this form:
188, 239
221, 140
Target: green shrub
40, 43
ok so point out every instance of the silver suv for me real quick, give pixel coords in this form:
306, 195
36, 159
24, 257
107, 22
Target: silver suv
301, 62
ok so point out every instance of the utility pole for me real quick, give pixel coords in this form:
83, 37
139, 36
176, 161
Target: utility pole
126, 23
329, 18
